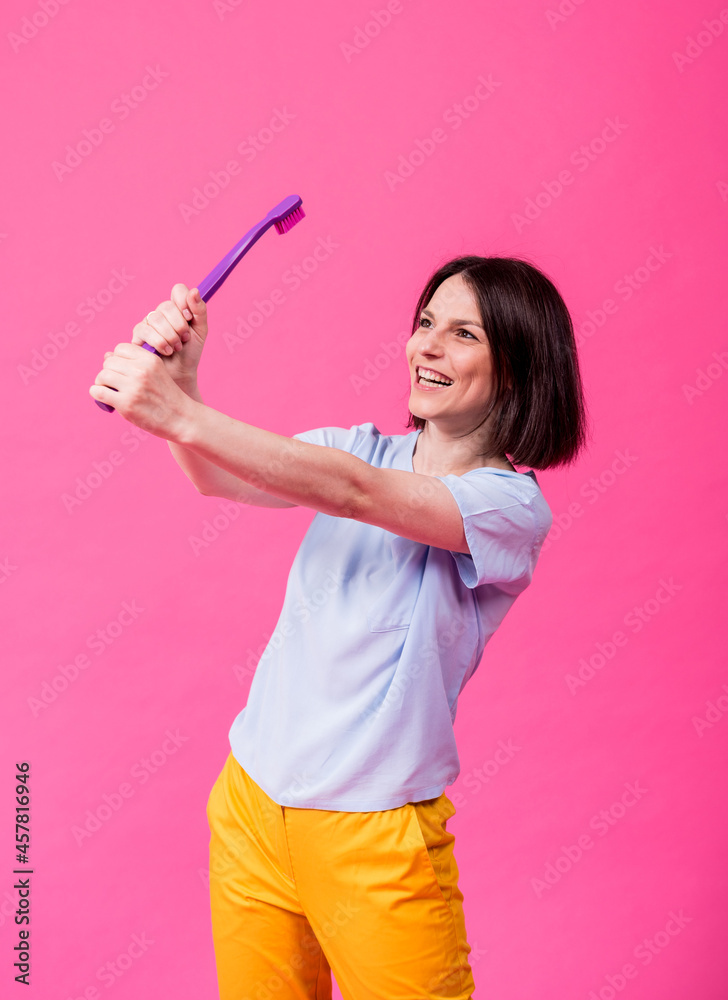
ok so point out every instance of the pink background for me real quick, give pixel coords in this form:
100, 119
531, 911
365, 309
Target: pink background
641, 222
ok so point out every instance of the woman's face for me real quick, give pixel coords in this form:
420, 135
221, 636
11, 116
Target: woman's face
450, 341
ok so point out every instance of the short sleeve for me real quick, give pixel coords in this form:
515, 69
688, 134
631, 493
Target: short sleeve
333, 437
504, 528
359, 439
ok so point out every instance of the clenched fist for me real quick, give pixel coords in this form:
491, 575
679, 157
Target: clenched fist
157, 393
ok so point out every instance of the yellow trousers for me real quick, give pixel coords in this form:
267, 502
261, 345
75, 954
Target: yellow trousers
296, 893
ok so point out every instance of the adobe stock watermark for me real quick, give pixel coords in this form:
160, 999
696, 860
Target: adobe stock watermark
372, 29
31, 24
212, 528
300, 783
625, 287
582, 158
714, 712
111, 971
419, 494
237, 843
454, 116
292, 279
266, 479
706, 377
203, 195
697, 44
562, 13
103, 469
448, 981
6, 569
645, 953
98, 642
592, 491
391, 350
426, 659
122, 106
635, 620
478, 777
394, 694
88, 309
236, 848
301, 611
141, 771
224, 7
601, 823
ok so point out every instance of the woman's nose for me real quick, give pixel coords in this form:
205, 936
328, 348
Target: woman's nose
431, 336
431, 341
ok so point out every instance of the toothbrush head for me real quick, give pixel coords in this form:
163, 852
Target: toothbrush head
287, 213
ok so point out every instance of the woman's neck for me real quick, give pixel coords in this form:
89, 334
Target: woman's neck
437, 455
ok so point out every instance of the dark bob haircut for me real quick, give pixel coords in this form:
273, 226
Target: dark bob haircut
540, 418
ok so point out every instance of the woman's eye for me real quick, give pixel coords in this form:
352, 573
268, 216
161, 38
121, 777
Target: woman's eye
425, 320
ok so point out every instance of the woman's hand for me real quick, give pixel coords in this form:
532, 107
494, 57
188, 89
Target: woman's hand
146, 395
177, 329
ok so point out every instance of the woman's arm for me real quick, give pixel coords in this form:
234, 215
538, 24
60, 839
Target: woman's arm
329, 480
210, 480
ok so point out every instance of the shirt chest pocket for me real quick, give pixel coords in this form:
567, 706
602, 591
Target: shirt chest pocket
395, 604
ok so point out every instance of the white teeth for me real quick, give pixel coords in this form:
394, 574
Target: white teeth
428, 374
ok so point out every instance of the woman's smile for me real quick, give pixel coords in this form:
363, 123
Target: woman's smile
428, 379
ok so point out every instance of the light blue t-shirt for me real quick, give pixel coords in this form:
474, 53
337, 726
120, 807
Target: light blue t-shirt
352, 703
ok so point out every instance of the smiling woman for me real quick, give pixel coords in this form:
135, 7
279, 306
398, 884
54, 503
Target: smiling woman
421, 542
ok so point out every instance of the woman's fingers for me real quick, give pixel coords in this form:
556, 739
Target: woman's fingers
164, 328
179, 297
170, 326
175, 322
146, 333
123, 363
198, 307
110, 377
117, 361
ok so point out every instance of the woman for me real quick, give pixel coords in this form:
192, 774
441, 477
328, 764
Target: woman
329, 847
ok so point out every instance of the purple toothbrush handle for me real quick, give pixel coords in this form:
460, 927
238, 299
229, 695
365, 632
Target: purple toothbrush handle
110, 409
284, 216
